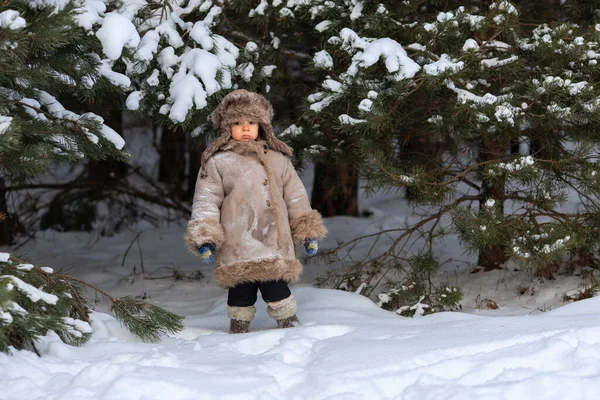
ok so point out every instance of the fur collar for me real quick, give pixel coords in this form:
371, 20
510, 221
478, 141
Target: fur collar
245, 147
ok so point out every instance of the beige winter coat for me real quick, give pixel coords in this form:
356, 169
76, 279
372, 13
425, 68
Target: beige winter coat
250, 202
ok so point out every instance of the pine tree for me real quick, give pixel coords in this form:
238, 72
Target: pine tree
472, 85
48, 50
192, 53
179, 64
46, 53
289, 38
35, 300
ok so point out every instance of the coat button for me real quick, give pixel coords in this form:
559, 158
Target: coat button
268, 203
266, 182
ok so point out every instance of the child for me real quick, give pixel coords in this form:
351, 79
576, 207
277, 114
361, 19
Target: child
250, 208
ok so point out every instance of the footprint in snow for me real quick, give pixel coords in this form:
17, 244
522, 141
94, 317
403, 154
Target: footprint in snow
294, 345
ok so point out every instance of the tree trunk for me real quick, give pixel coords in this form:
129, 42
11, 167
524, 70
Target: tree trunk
423, 150
173, 160
493, 149
335, 189
7, 231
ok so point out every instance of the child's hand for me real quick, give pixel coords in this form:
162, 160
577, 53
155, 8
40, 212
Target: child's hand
311, 246
207, 253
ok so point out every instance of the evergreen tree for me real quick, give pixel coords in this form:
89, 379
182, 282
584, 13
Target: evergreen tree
36, 300
289, 40
50, 49
190, 53
46, 53
472, 84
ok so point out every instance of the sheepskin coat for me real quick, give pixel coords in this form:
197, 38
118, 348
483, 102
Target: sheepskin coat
250, 203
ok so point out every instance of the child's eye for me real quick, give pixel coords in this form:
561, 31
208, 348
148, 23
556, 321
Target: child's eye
252, 123
236, 123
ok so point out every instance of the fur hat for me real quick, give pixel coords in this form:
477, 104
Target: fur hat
235, 106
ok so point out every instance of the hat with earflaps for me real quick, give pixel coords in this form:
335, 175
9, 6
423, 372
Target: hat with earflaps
235, 106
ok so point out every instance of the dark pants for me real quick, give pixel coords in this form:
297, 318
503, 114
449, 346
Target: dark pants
244, 294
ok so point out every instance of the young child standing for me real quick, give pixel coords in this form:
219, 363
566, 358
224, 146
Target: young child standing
250, 209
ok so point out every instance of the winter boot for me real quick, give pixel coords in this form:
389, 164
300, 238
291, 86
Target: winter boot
290, 322
240, 318
239, 326
284, 312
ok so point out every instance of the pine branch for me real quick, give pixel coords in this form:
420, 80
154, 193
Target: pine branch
144, 320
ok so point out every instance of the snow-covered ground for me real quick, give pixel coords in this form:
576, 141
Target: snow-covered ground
347, 349
532, 347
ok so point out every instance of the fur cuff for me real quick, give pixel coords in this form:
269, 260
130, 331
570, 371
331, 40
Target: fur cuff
203, 231
241, 313
268, 269
284, 312
309, 225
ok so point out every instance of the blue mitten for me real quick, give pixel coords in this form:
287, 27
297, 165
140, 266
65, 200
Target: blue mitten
207, 253
311, 246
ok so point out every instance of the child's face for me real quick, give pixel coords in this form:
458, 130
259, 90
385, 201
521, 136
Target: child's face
244, 130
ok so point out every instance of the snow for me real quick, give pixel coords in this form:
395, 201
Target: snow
286, 12
320, 105
496, 62
267, 70
115, 78
201, 34
167, 59
365, 105
345, 119
347, 348
323, 59
190, 70
10, 19
396, 59
113, 137
470, 44
205, 65
506, 113
436, 120
251, 48
323, 26
504, 6
187, 91
34, 294
246, 71
333, 85
6, 317
275, 42
465, 96
133, 100
4, 123
148, 46
93, 10
153, 80
357, 11
259, 10
117, 32
498, 45
291, 130
445, 63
